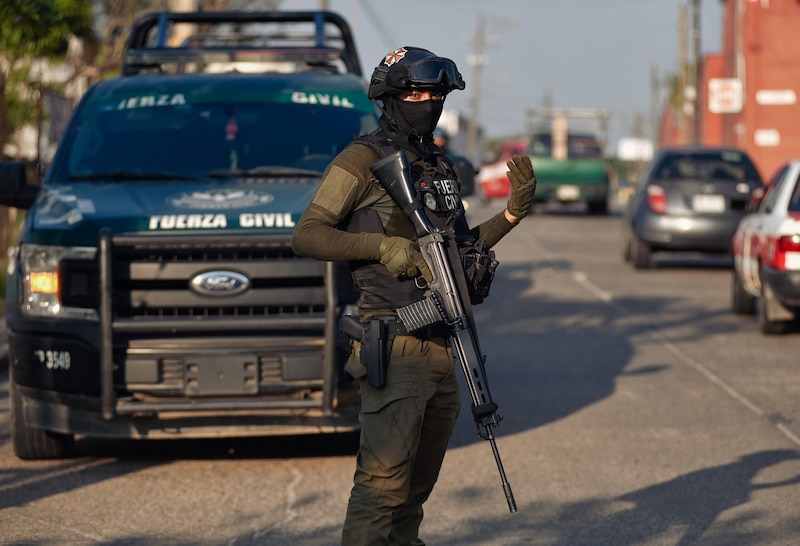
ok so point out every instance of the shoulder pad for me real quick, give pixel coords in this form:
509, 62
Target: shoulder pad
378, 142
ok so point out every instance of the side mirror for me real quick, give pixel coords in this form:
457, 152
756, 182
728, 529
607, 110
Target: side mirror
14, 188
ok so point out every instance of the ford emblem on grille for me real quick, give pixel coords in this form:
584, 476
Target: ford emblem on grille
219, 283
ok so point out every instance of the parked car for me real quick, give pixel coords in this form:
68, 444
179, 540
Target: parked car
492, 179
690, 199
766, 255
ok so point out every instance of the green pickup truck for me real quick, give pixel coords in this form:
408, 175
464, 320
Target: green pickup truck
570, 163
581, 176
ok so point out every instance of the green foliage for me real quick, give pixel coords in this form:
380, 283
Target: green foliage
19, 90
41, 28
31, 29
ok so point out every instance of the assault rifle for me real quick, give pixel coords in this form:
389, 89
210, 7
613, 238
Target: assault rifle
446, 299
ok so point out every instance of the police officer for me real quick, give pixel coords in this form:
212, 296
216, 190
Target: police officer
408, 414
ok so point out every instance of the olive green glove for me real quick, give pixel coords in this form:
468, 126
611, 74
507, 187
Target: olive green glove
523, 185
402, 257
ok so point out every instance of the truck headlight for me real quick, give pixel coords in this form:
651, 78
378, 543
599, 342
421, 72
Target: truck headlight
40, 265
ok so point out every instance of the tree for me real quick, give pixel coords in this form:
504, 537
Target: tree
31, 29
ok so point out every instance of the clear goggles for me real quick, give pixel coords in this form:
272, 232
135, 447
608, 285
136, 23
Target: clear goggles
432, 72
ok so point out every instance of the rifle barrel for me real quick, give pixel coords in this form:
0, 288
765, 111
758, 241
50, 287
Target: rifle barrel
512, 504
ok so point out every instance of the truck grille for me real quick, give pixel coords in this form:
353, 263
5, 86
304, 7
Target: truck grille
273, 341
151, 279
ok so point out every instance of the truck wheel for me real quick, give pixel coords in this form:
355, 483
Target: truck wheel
641, 254
742, 302
765, 322
34, 443
598, 207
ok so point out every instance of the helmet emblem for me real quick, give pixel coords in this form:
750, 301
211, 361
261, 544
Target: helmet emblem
395, 56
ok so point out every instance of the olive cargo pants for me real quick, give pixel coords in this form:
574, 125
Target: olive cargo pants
405, 428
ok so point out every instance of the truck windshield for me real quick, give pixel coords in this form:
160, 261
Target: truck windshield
578, 146
195, 140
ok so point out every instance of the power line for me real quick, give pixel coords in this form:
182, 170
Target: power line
383, 32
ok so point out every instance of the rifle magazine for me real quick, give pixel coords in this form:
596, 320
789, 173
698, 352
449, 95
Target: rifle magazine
419, 314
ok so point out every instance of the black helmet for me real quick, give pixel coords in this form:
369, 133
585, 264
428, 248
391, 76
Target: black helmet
413, 68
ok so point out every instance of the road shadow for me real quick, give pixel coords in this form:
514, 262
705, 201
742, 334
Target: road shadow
26, 483
271, 447
691, 260
682, 511
549, 357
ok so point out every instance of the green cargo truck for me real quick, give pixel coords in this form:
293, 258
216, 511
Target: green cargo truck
569, 160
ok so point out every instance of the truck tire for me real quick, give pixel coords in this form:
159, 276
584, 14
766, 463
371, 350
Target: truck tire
34, 443
598, 207
742, 302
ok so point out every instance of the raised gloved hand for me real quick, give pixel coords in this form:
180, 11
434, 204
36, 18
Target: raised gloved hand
402, 257
523, 185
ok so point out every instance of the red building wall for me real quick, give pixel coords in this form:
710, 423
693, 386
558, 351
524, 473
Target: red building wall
710, 122
761, 49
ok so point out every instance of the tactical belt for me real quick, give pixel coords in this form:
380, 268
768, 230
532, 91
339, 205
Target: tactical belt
377, 336
395, 328
440, 329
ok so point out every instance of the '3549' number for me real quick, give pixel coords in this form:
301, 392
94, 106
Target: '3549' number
54, 360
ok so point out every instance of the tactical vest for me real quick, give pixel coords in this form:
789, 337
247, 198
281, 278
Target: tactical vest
437, 189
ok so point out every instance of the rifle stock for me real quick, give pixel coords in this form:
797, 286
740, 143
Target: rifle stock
446, 299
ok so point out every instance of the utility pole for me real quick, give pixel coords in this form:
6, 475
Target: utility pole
655, 100
682, 77
477, 61
697, 71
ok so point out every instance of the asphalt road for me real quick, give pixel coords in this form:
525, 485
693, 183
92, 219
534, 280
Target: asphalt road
638, 411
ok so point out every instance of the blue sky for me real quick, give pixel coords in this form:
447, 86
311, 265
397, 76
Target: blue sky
580, 53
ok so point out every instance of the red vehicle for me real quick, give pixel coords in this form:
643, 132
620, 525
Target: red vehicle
492, 180
766, 250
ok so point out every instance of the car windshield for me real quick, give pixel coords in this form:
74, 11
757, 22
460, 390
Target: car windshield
794, 201
717, 166
182, 138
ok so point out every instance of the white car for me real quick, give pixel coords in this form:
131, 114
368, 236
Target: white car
766, 251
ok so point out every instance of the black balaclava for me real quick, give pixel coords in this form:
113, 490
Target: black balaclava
416, 118
411, 124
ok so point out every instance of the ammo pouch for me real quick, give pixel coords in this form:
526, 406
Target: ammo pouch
376, 337
479, 265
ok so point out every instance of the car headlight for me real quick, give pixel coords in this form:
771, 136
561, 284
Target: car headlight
41, 286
